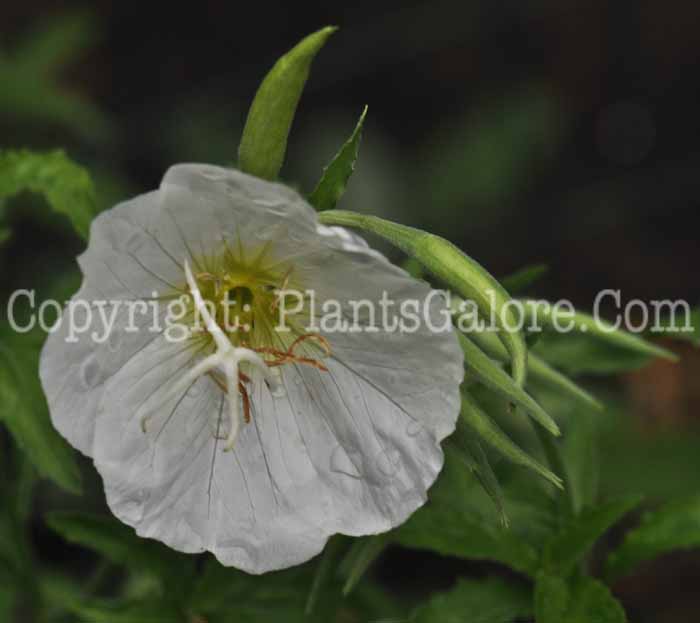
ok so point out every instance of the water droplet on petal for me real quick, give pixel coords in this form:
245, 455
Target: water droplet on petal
296, 236
341, 463
278, 390
388, 461
114, 341
414, 428
213, 174
274, 206
91, 373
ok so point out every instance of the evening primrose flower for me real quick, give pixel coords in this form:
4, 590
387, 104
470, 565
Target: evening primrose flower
258, 441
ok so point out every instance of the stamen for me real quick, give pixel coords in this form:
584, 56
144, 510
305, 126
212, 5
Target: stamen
226, 359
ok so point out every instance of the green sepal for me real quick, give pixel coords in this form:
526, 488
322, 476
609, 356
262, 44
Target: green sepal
474, 417
495, 377
334, 180
455, 268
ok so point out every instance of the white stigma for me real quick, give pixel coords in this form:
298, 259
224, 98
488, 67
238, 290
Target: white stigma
226, 359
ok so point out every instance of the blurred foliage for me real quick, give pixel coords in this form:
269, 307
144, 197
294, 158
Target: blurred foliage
31, 93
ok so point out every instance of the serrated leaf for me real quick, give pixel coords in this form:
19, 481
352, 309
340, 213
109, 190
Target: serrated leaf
492, 600
494, 377
524, 278
675, 526
23, 411
334, 180
264, 140
579, 535
489, 432
118, 543
453, 523
66, 185
585, 601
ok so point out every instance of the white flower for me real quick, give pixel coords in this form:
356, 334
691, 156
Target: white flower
328, 432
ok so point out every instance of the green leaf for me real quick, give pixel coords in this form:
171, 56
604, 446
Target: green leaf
566, 549
66, 186
551, 598
581, 458
585, 601
362, 554
577, 354
118, 543
492, 600
538, 369
524, 278
334, 180
675, 526
8, 598
455, 268
23, 411
325, 568
633, 347
65, 595
264, 140
32, 89
277, 597
453, 523
5, 233
473, 455
541, 372
494, 377
473, 416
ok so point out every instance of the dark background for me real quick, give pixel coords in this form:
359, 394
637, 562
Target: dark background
533, 131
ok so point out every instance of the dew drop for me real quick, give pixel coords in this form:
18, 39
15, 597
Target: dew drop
296, 235
114, 341
341, 463
213, 174
91, 373
388, 461
271, 203
278, 390
264, 233
414, 428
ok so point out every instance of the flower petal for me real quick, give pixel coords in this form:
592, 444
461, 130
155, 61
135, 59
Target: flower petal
352, 449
